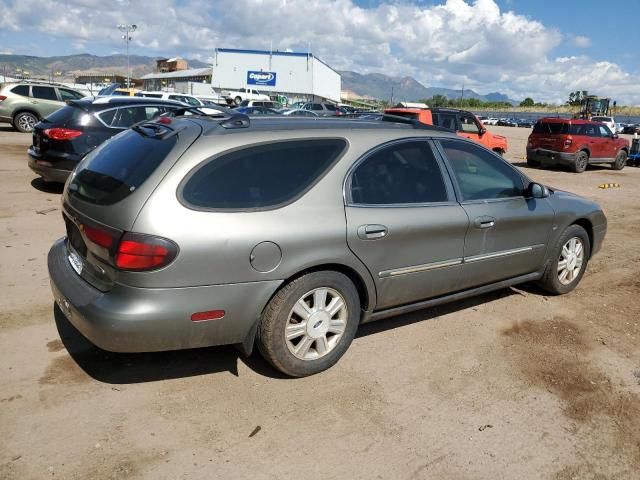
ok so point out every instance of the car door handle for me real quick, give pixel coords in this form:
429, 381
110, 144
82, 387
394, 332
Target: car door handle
371, 232
484, 222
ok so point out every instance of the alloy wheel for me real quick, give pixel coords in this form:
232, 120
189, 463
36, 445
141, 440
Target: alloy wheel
26, 122
316, 323
570, 261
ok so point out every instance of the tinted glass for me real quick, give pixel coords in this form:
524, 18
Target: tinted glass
261, 176
555, 128
69, 94
602, 119
119, 166
480, 174
68, 116
316, 106
45, 93
21, 90
604, 131
107, 117
127, 116
330, 107
399, 174
468, 124
590, 131
446, 120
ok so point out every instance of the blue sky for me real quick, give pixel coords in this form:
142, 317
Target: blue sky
537, 48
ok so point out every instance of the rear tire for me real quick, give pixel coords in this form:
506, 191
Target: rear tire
24, 122
237, 101
579, 165
568, 262
621, 160
310, 323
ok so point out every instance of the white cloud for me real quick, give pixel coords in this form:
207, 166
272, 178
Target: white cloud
582, 41
451, 44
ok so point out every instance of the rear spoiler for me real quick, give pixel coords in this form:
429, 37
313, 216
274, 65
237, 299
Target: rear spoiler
415, 123
228, 118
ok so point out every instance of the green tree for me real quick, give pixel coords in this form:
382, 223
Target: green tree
527, 102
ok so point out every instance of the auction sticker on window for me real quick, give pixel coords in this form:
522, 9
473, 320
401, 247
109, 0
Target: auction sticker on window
76, 262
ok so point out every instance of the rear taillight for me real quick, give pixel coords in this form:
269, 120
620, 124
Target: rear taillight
568, 141
144, 252
2, 97
61, 133
98, 236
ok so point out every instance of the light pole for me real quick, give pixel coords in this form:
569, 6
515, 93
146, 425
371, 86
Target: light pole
127, 30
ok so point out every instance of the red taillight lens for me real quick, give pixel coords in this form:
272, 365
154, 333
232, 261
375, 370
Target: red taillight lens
98, 236
144, 252
209, 315
62, 133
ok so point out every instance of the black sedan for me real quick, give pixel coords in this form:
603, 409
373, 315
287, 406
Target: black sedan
63, 138
632, 128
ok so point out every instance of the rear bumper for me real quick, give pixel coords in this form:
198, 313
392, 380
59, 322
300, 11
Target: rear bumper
129, 319
550, 156
49, 173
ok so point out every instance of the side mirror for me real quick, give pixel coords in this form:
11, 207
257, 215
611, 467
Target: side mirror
537, 190
614, 135
483, 131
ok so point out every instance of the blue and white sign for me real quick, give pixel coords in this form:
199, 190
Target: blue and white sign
261, 78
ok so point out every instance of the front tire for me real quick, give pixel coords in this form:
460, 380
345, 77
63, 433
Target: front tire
621, 160
579, 165
25, 122
310, 323
237, 101
570, 257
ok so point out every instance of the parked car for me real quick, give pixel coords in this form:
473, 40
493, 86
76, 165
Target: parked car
236, 97
192, 232
257, 111
490, 121
178, 97
261, 103
632, 128
298, 112
524, 123
464, 123
608, 121
576, 143
507, 122
24, 104
324, 109
63, 138
620, 127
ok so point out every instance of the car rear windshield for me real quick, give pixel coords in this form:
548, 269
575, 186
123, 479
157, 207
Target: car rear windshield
119, 166
556, 128
261, 176
602, 119
68, 115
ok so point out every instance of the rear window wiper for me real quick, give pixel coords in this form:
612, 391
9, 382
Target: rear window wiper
153, 130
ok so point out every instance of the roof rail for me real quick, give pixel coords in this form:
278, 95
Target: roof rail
414, 122
32, 80
228, 118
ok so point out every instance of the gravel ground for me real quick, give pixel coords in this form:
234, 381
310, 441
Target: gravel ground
514, 384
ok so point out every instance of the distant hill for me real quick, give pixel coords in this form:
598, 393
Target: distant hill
378, 85
82, 64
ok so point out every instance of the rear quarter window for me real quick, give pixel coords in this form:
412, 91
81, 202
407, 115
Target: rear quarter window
68, 115
21, 90
260, 176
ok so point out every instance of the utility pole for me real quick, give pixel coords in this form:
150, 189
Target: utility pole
127, 30
391, 100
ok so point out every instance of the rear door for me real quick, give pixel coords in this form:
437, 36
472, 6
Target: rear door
508, 233
45, 99
404, 224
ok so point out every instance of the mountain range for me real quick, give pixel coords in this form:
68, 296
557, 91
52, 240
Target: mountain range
372, 85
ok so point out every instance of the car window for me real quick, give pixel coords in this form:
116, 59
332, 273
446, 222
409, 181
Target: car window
316, 106
468, 124
403, 173
150, 95
480, 174
44, 93
330, 107
21, 90
69, 94
604, 131
261, 176
127, 116
244, 103
590, 131
445, 120
107, 117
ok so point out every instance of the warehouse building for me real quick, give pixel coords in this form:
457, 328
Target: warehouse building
292, 74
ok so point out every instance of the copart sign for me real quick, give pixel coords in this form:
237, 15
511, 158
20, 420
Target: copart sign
261, 78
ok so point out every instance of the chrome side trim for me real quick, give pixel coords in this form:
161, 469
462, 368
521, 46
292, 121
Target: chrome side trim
419, 268
503, 253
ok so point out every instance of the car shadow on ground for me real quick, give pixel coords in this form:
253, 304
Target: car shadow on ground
8, 128
560, 168
128, 368
47, 187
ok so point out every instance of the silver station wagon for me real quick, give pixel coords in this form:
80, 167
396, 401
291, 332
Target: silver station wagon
288, 233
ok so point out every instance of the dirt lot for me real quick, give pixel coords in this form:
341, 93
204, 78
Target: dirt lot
510, 385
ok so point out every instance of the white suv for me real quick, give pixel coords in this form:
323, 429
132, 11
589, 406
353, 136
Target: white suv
608, 121
178, 97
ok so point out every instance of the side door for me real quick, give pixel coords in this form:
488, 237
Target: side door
591, 133
508, 232
404, 223
45, 99
608, 147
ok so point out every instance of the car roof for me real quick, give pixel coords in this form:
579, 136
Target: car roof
103, 103
574, 121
